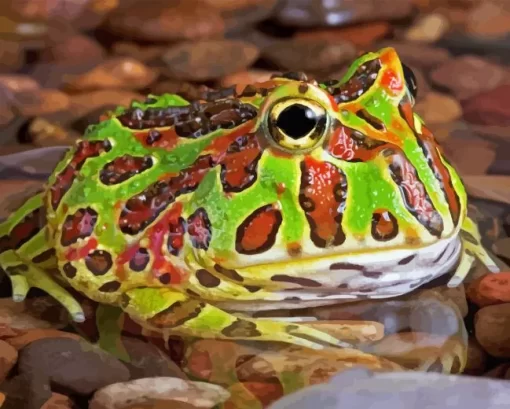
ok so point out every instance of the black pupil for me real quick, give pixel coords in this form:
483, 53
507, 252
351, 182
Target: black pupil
297, 121
410, 80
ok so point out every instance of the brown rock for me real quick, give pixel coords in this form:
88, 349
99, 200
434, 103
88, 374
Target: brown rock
489, 108
490, 187
127, 394
83, 103
492, 329
435, 107
241, 14
145, 54
11, 55
14, 83
420, 55
43, 132
78, 48
49, 9
362, 35
156, 20
458, 296
502, 248
488, 19
6, 113
309, 54
490, 289
428, 28
58, 401
476, 358
244, 78
40, 102
8, 358
502, 371
314, 13
117, 72
468, 75
470, 156
211, 59
27, 336
40, 312
186, 90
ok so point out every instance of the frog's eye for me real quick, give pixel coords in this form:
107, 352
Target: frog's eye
297, 124
411, 82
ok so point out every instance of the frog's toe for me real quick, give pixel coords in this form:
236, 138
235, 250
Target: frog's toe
20, 287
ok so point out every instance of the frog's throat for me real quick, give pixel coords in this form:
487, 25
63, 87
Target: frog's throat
320, 281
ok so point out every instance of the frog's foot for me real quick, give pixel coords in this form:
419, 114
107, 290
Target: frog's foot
166, 311
25, 275
472, 249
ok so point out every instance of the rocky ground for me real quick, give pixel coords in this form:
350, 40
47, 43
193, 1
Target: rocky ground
63, 63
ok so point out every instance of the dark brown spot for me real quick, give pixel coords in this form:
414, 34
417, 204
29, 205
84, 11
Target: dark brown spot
374, 122
407, 259
206, 279
109, 287
140, 260
303, 87
257, 233
69, 270
79, 225
192, 293
153, 136
124, 300
346, 266
304, 282
200, 229
165, 278
232, 274
469, 237
176, 230
177, 314
358, 84
99, 262
123, 168
84, 150
44, 256
372, 274
193, 120
252, 288
241, 329
384, 225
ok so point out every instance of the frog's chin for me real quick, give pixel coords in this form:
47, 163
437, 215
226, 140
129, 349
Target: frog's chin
355, 277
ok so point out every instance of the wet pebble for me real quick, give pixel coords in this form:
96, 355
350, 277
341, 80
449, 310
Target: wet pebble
489, 108
8, 358
86, 102
208, 59
437, 107
170, 390
11, 55
468, 75
78, 49
490, 289
154, 20
116, 72
473, 158
428, 28
71, 364
492, 329
362, 35
488, 19
476, 358
14, 83
40, 102
41, 312
308, 54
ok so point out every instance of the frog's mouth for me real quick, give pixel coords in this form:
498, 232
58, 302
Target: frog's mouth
321, 281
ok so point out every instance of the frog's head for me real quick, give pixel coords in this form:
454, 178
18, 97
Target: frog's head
333, 175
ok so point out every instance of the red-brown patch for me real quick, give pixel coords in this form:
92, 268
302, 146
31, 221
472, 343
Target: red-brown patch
158, 138
322, 197
353, 146
239, 164
257, 233
200, 229
79, 225
176, 230
64, 180
25, 230
124, 167
384, 225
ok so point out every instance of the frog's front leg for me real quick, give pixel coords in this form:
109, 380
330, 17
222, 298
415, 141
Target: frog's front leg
170, 312
24, 250
472, 249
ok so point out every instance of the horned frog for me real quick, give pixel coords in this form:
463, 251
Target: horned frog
288, 193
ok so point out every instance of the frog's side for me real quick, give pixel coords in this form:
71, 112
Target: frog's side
179, 213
